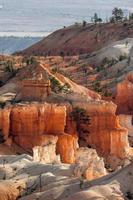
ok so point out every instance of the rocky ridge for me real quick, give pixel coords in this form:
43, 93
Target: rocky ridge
79, 39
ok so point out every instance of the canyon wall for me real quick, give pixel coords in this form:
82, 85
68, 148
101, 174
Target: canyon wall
46, 154
41, 90
89, 164
30, 125
5, 121
124, 96
127, 122
103, 132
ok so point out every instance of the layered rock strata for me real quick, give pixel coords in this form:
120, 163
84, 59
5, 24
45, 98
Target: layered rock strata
103, 132
127, 122
32, 124
124, 96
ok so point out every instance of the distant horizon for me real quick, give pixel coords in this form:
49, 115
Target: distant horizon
38, 18
23, 34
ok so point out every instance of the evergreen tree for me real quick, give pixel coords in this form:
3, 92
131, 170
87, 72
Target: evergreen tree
95, 18
118, 14
131, 16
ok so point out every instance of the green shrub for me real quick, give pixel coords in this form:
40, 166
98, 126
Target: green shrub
100, 68
9, 66
84, 23
65, 88
2, 104
106, 93
31, 61
55, 82
54, 70
131, 16
97, 86
77, 113
129, 60
58, 87
122, 57
108, 63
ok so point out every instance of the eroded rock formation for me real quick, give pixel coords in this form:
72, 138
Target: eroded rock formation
127, 122
29, 124
89, 165
103, 132
5, 121
124, 96
45, 181
47, 153
45, 178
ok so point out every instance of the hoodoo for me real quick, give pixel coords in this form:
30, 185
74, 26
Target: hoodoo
29, 124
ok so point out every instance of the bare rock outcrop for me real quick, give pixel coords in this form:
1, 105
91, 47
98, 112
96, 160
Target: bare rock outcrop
66, 147
5, 121
31, 124
124, 96
100, 129
9, 191
47, 153
127, 122
89, 165
33, 180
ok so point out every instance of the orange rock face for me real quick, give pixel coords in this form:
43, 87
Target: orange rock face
103, 132
29, 124
124, 96
8, 191
5, 121
66, 146
41, 90
37, 119
127, 122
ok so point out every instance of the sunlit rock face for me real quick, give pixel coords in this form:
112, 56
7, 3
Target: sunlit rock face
38, 119
127, 122
89, 164
5, 121
103, 132
29, 123
46, 153
9, 191
66, 147
29, 126
124, 96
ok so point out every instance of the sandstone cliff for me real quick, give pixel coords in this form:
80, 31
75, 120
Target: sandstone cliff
103, 132
99, 128
29, 124
124, 96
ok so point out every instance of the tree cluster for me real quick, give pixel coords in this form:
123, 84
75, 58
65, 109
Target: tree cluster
117, 16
